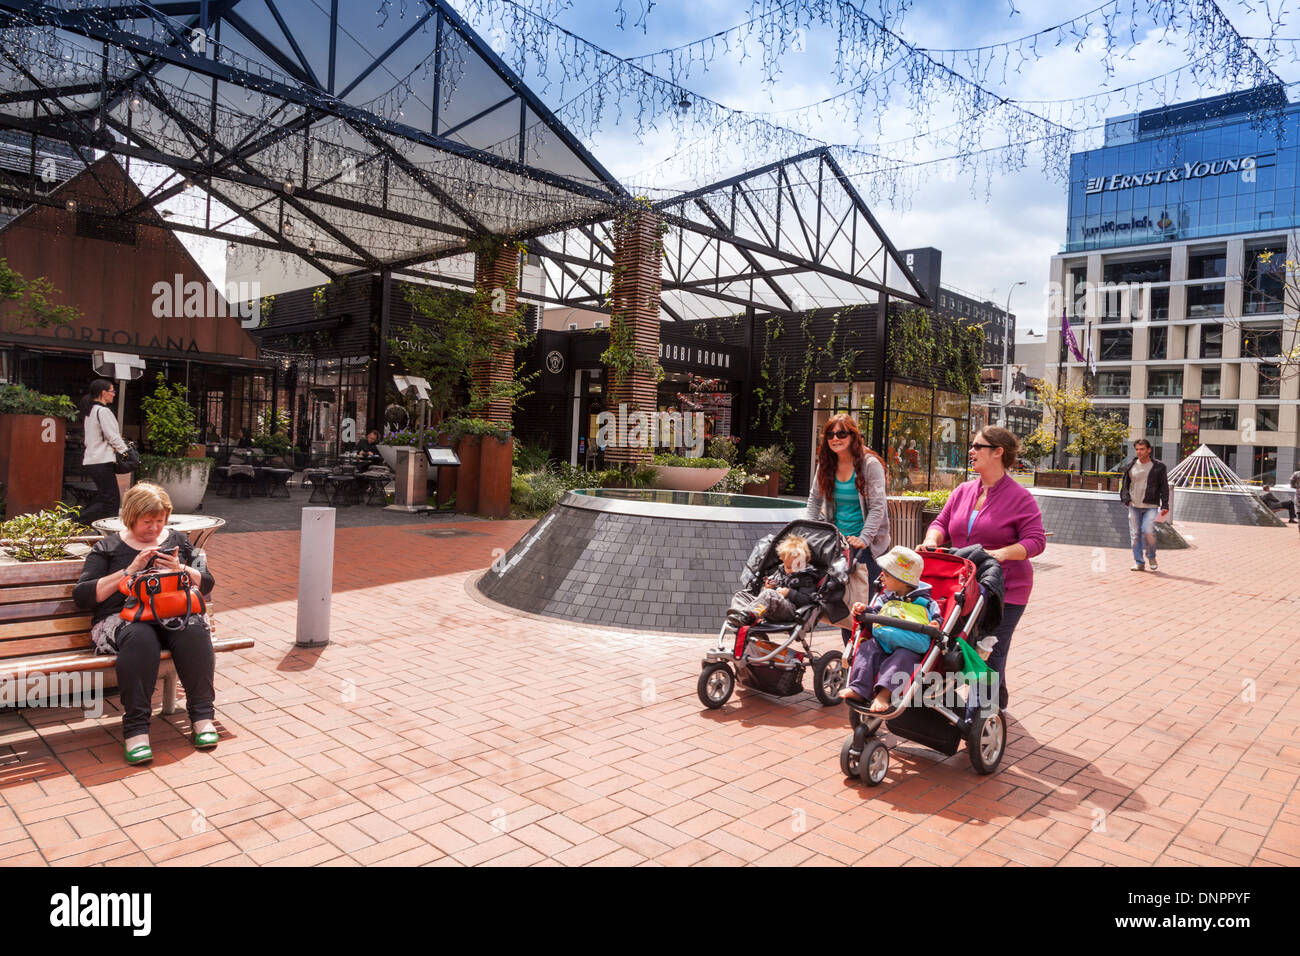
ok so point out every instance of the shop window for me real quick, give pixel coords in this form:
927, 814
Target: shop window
1266, 418
1210, 382
1218, 417
1154, 422
1164, 384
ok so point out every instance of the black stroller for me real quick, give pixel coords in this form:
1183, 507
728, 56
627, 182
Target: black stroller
761, 656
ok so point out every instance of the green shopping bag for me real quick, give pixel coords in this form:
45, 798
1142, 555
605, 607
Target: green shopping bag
974, 667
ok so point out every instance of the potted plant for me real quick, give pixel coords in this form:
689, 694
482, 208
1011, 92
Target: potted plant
688, 474
171, 428
33, 429
771, 462
934, 502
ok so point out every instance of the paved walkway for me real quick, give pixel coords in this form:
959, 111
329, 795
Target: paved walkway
1155, 719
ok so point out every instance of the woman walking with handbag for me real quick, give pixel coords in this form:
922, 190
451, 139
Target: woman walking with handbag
848, 490
103, 442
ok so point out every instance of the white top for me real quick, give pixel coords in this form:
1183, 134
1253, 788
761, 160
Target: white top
1138, 485
103, 437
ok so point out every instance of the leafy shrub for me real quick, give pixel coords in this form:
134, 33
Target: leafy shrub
935, 500
677, 461
43, 536
722, 447
734, 481
170, 419
531, 458
19, 400
767, 461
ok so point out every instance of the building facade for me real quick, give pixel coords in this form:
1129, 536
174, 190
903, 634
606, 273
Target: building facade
1173, 280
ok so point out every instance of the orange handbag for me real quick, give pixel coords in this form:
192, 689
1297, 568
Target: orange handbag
167, 597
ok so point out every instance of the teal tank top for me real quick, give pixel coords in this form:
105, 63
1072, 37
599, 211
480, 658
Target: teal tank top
848, 510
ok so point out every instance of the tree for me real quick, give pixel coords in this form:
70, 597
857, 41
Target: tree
33, 309
1071, 410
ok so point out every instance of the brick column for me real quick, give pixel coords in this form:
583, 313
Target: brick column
495, 274
634, 293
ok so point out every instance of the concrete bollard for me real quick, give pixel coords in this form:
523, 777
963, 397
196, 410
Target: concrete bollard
315, 577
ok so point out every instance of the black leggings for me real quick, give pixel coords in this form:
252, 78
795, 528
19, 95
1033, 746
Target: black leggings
108, 499
138, 649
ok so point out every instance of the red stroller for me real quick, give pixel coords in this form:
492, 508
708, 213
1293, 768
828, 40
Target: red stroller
931, 709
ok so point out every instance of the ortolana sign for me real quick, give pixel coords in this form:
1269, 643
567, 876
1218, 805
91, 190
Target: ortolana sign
1174, 174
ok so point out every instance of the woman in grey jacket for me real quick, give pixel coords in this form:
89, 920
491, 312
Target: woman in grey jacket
848, 490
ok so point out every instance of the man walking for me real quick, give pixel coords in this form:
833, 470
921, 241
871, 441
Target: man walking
1144, 490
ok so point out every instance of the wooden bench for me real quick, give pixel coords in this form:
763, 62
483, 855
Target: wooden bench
43, 632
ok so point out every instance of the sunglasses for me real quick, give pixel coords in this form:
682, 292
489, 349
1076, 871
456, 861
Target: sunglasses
980, 445
838, 433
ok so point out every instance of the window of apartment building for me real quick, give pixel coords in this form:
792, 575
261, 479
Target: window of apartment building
1159, 304
1159, 343
1265, 418
1270, 380
1210, 379
1164, 383
1204, 300
1112, 304
1218, 416
1113, 383
1116, 345
1265, 279
1261, 341
1207, 265
573, 326
1212, 341
1077, 300
598, 323
1154, 421
1139, 271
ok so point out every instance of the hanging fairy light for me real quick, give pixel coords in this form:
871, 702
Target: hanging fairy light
288, 227
289, 185
311, 247
136, 103
70, 205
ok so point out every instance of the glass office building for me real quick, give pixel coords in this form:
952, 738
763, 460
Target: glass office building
1174, 274
1210, 168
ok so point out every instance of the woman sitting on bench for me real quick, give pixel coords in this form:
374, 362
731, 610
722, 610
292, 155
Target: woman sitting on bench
146, 541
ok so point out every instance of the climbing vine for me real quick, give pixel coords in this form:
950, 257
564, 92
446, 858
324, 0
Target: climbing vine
919, 347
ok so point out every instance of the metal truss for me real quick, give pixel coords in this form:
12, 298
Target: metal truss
791, 236
314, 133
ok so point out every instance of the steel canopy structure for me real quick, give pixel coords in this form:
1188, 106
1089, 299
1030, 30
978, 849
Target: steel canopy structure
357, 142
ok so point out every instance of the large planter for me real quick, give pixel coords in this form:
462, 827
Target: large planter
1047, 479
496, 462
774, 484
31, 461
184, 479
389, 454
761, 488
688, 479
469, 450
927, 518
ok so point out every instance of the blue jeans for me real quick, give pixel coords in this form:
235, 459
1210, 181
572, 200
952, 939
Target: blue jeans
1142, 530
1011, 614
861, 554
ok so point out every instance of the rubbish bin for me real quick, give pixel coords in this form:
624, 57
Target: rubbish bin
905, 520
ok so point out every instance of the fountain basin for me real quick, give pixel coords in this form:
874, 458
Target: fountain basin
654, 559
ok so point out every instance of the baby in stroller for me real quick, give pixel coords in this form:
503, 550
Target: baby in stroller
884, 661
786, 591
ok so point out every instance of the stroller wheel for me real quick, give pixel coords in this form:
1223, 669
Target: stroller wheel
874, 763
850, 755
987, 742
715, 685
828, 678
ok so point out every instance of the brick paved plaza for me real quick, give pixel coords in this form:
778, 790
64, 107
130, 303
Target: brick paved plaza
435, 729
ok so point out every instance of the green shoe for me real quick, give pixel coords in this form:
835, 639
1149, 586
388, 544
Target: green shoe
206, 740
141, 754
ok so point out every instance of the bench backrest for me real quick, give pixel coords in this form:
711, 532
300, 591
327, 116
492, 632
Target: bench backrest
37, 615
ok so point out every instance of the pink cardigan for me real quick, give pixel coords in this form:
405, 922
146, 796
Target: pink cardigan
1010, 516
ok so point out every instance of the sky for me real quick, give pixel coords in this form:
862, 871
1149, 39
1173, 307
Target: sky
995, 227
997, 219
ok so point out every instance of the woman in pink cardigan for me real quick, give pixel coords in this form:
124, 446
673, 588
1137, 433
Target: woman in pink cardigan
997, 512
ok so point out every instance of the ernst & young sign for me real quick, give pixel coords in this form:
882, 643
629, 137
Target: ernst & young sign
1245, 165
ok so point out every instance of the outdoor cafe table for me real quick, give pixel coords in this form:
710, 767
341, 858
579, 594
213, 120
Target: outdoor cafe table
198, 528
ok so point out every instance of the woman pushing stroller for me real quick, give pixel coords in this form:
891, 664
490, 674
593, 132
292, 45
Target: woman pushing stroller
885, 660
